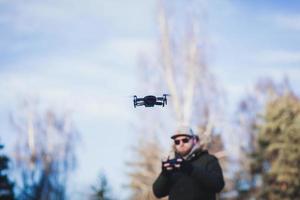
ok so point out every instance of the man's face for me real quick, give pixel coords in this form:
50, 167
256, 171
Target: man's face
183, 145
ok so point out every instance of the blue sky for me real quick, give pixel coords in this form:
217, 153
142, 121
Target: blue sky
82, 56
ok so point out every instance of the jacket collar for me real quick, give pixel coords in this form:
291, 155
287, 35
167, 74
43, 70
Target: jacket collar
196, 154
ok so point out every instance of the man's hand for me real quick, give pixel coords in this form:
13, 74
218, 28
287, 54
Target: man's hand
183, 165
166, 167
178, 163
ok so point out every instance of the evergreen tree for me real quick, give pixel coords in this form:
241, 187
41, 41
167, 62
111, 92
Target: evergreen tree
6, 187
277, 158
248, 119
102, 190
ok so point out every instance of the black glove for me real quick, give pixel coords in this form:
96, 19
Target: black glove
166, 169
184, 166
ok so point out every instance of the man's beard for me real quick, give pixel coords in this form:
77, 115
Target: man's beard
185, 152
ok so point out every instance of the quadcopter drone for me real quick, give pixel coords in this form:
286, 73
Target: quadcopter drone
150, 101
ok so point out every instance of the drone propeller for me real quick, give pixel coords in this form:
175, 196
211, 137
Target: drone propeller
165, 99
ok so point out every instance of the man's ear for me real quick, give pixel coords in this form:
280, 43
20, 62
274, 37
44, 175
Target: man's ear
195, 140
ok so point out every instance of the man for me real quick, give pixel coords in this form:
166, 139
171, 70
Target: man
193, 174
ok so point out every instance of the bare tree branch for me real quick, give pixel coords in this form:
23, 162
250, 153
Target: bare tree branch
168, 64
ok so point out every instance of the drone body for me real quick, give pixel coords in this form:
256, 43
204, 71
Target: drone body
150, 101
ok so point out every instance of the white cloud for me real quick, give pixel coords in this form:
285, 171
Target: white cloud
33, 15
86, 101
108, 68
240, 81
279, 56
93, 88
291, 22
129, 48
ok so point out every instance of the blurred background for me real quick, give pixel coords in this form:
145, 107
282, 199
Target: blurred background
69, 69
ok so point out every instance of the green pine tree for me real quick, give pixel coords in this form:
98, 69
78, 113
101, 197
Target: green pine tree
102, 190
6, 187
277, 158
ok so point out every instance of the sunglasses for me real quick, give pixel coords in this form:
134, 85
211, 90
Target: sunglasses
184, 140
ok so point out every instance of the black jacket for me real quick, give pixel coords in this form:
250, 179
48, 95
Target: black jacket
201, 182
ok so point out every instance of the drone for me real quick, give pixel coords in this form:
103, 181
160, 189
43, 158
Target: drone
150, 101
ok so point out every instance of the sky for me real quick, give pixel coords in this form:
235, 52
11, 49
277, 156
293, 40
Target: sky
82, 56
